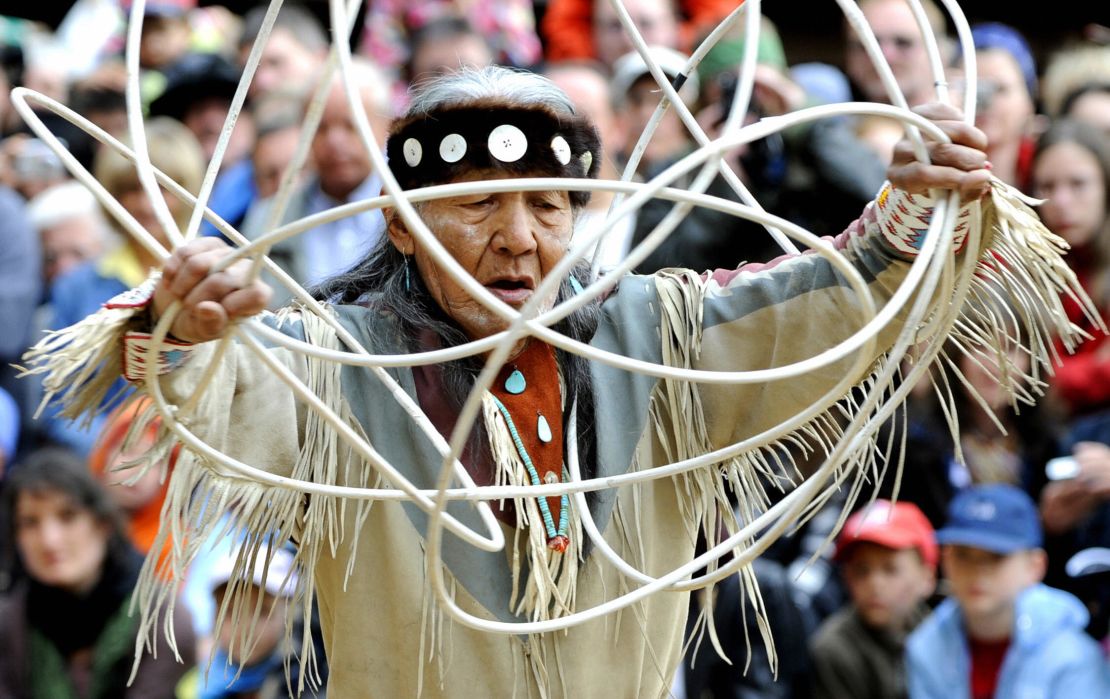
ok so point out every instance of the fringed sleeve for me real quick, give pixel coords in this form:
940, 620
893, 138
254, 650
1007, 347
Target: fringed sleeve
771, 315
229, 400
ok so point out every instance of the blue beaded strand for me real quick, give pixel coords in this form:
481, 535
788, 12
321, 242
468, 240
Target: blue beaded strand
545, 511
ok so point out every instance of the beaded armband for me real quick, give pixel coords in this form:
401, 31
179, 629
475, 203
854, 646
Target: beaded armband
172, 354
904, 220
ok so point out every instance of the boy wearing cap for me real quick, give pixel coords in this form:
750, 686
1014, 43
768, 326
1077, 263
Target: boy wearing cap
1002, 633
888, 557
247, 658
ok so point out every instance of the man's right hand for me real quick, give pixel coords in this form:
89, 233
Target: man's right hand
211, 302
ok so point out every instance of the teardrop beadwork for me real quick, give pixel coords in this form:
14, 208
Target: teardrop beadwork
515, 384
543, 429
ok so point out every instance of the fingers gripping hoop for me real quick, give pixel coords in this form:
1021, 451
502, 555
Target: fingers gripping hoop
932, 271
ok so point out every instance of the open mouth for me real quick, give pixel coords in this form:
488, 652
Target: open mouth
513, 291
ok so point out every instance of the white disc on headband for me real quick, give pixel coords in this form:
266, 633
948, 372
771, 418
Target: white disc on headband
507, 143
561, 149
452, 148
413, 152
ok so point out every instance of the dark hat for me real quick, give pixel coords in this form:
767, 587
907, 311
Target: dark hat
999, 517
194, 77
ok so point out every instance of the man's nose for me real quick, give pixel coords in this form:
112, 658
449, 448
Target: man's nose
514, 234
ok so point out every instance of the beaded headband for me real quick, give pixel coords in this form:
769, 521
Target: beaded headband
439, 146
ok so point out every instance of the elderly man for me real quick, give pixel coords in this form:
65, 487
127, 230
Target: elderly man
386, 632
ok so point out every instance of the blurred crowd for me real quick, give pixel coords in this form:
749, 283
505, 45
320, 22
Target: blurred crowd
981, 570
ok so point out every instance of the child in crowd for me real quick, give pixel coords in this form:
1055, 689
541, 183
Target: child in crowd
888, 559
1002, 633
254, 643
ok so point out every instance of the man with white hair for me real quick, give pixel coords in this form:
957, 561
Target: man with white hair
71, 227
343, 174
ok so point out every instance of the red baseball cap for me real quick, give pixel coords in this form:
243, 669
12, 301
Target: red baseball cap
898, 525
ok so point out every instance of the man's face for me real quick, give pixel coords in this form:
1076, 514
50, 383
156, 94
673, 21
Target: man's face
439, 57
987, 584
341, 160
68, 244
900, 39
205, 118
285, 64
272, 155
886, 585
508, 242
654, 18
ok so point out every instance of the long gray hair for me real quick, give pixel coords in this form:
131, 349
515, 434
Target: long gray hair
383, 282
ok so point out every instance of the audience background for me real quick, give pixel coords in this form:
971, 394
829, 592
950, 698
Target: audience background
61, 256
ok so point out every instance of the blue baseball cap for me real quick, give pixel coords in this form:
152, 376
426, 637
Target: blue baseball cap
995, 35
1000, 518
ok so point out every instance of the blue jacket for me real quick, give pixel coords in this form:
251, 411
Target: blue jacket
1050, 657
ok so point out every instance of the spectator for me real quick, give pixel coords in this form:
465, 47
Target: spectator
1007, 89
71, 228
278, 122
80, 292
1090, 103
590, 29
248, 657
165, 33
198, 93
888, 558
1071, 71
9, 431
508, 28
31, 167
636, 95
344, 175
443, 45
21, 290
903, 47
137, 494
1071, 171
67, 631
1002, 633
588, 88
294, 53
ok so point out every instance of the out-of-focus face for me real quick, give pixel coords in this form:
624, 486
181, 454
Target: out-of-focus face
900, 40
164, 40
985, 377
341, 160
267, 633
1068, 176
439, 57
130, 494
285, 64
61, 544
508, 242
986, 584
205, 118
68, 244
136, 202
1094, 109
272, 155
1007, 107
670, 138
655, 19
886, 585
588, 90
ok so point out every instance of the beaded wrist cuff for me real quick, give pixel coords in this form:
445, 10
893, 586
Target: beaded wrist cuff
904, 219
173, 353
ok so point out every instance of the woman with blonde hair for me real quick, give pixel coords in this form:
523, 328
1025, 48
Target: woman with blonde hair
81, 291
